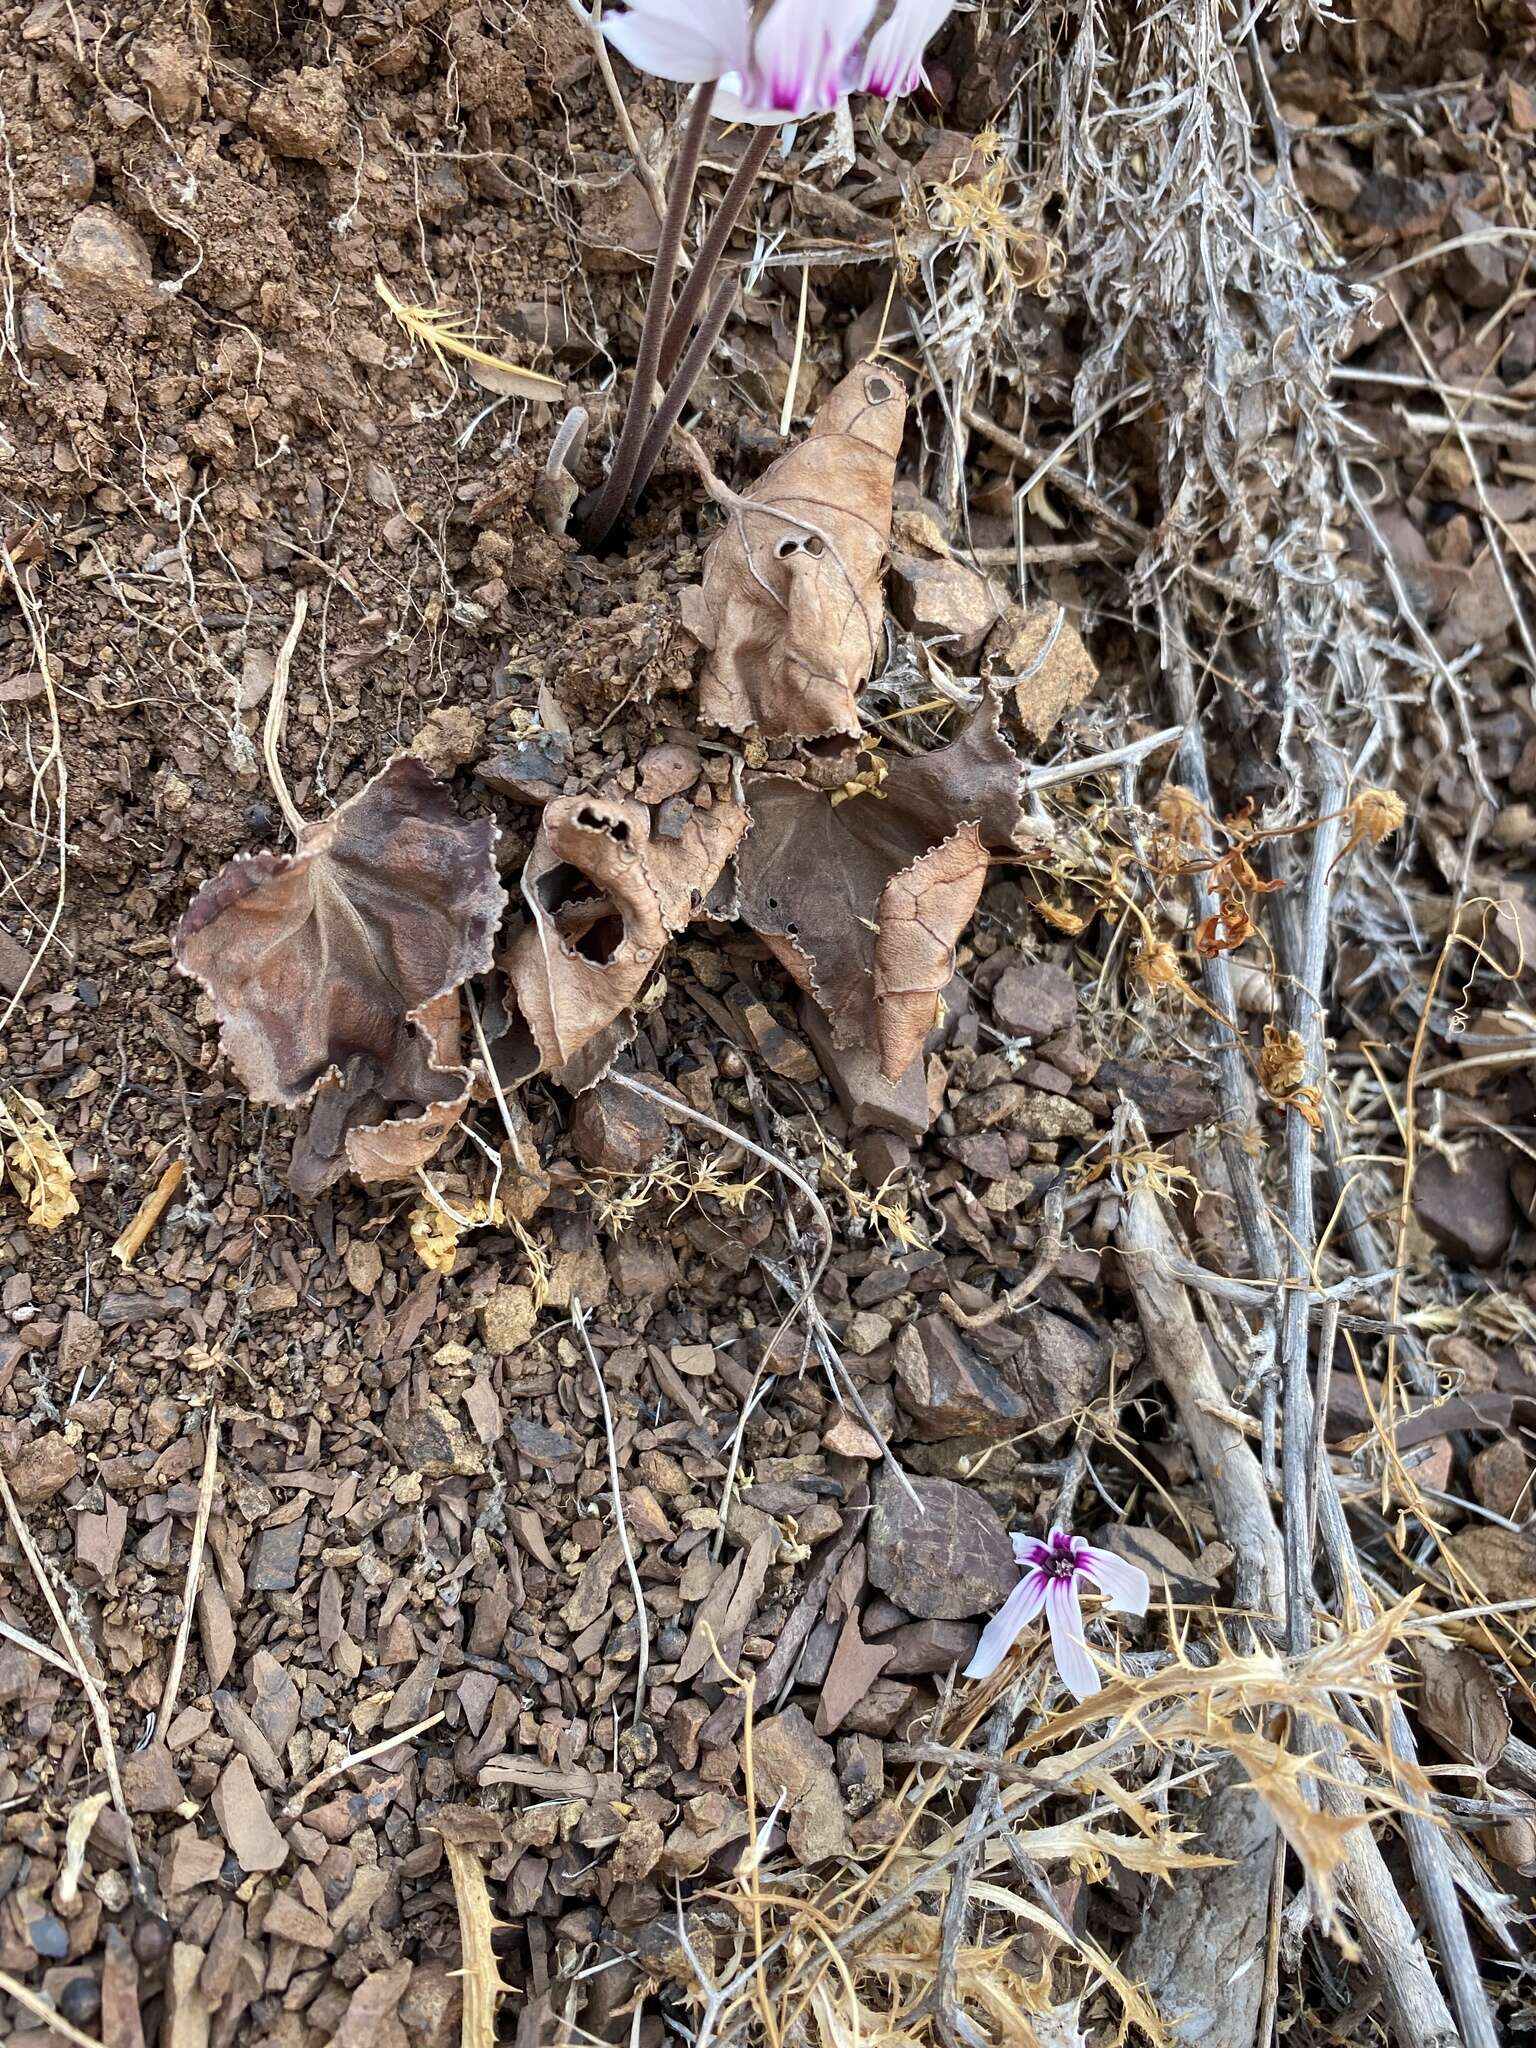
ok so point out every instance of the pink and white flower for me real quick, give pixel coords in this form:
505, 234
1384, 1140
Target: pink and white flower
1053, 1572
797, 57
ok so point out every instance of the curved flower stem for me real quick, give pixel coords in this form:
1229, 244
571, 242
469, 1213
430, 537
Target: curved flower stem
609, 500
670, 410
712, 248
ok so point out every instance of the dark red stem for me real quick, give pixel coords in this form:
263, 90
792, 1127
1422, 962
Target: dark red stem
597, 521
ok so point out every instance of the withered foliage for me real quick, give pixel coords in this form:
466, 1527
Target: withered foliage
863, 901
335, 972
603, 894
791, 608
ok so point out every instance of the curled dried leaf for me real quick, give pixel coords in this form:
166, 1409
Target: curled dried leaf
791, 606
595, 929
334, 971
923, 911
603, 893
40, 1171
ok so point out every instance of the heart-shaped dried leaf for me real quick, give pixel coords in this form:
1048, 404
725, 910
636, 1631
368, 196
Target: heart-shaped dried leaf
791, 606
923, 911
334, 970
602, 894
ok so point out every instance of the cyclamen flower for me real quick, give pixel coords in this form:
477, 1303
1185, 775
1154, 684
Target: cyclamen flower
799, 57
1053, 1571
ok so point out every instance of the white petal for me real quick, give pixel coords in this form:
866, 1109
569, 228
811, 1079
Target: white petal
730, 105
1072, 1659
800, 53
1123, 1585
1003, 1630
893, 64
685, 40
1028, 1550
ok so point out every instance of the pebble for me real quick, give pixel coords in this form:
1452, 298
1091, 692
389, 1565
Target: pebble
103, 258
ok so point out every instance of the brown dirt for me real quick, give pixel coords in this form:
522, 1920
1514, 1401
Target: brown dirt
205, 410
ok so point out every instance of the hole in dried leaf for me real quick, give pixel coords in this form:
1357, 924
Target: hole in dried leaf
878, 390
594, 821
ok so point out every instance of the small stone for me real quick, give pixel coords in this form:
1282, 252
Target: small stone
289, 1920
48, 336
780, 1051
275, 1555
619, 228
1034, 1002
189, 1863
1328, 179
247, 1826
365, 1265
669, 769
530, 771
103, 258
432, 1441
150, 1782
303, 115
944, 600
41, 1468
541, 1446
945, 1556
866, 1332
174, 76
1060, 1368
1467, 1207
948, 1391
49, 1937
615, 1131
870, 1101
921, 1649
1042, 654
507, 1319
791, 1760
450, 739
881, 1157
847, 1438
1501, 1479
1171, 1098
645, 1516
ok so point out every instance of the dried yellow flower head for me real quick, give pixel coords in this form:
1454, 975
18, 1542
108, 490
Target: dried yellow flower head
1376, 814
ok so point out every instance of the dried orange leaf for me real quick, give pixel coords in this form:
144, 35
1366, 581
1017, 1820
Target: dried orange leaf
334, 971
791, 607
923, 911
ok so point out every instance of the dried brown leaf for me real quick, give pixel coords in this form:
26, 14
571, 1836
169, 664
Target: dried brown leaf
1461, 1704
813, 877
923, 911
791, 606
603, 894
334, 971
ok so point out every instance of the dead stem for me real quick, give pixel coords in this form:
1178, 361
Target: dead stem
91, 1684
579, 1320
194, 1571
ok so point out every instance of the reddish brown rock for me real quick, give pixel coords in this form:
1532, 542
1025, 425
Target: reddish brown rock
944, 1556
